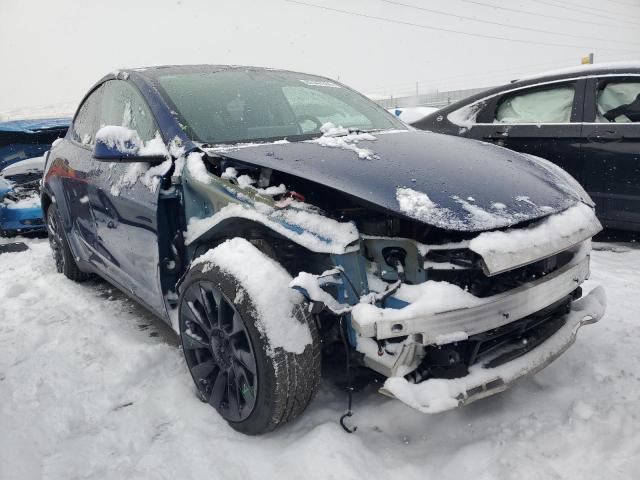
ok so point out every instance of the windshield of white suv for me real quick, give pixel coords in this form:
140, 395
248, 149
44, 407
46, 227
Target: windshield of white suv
250, 105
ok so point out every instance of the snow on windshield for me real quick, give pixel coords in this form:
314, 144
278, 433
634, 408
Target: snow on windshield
264, 280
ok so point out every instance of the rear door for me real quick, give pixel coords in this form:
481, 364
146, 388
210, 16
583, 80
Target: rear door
611, 149
542, 120
72, 167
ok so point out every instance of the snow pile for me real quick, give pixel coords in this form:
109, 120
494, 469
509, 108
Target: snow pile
32, 201
197, 169
226, 147
149, 176
33, 164
128, 142
267, 283
339, 137
245, 181
311, 230
437, 395
312, 286
419, 206
122, 139
424, 299
92, 386
549, 235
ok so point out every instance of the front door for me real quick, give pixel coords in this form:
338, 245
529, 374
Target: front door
125, 201
542, 120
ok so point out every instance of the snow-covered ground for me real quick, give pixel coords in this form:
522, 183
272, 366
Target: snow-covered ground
93, 387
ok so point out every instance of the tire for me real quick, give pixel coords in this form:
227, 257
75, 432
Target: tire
62, 255
285, 382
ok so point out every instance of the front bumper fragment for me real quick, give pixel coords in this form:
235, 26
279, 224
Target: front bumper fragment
495, 312
437, 395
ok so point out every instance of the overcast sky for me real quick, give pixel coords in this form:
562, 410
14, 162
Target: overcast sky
52, 51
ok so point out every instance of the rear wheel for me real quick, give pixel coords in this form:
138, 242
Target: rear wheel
253, 387
62, 256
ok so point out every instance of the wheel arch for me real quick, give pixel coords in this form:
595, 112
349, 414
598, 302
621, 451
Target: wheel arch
292, 255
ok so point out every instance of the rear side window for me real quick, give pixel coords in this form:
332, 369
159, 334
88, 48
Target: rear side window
619, 102
85, 124
546, 105
124, 106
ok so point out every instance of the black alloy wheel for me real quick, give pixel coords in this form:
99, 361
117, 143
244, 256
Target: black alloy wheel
218, 351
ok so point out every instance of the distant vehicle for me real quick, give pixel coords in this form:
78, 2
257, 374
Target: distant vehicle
273, 218
22, 139
20, 175
412, 114
585, 119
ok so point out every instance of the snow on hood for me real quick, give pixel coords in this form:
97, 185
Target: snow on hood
340, 137
33, 164
444, 181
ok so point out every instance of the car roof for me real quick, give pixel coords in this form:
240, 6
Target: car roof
586, 69
154, 71
613, 68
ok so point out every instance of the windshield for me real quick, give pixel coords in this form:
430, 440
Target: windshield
249, 105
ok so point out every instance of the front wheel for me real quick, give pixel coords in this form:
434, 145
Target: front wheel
253, 386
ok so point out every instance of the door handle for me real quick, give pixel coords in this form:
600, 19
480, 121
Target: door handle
610, 136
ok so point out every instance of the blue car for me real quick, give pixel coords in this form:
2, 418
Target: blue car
277, 220
23, 144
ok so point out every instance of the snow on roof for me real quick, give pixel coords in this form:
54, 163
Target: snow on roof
588, 68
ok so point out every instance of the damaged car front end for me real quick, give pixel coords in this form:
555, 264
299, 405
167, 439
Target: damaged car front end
451, 292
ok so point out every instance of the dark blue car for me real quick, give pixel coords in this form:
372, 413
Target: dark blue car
23, 144
278, 220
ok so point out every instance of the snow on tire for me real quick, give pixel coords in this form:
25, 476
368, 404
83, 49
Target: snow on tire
249, 341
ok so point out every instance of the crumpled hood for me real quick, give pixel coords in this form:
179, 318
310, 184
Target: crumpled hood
443, 181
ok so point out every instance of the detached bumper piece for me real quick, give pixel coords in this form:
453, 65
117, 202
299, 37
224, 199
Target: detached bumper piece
500, 362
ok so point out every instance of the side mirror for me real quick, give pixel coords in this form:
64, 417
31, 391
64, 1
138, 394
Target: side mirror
121, 144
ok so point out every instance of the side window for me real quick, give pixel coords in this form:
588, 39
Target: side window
85, 124
542, 105
618, 101
123, 106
